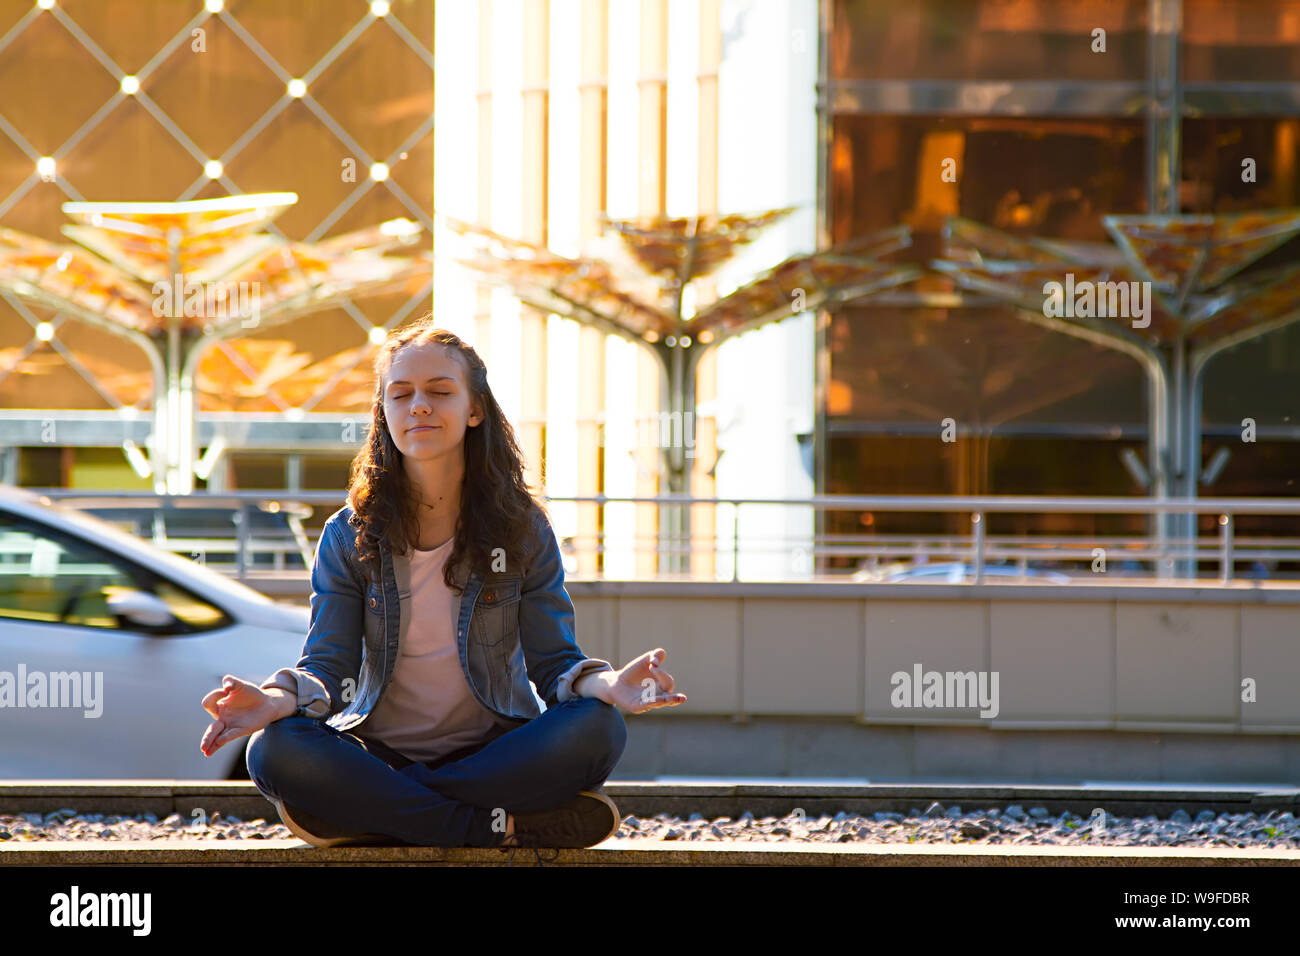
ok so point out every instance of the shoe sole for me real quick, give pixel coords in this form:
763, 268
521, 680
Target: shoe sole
306, 836
613, 811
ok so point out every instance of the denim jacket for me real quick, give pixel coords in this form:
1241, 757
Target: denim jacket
514, 626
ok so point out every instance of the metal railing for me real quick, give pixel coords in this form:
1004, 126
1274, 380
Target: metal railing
284, 546
736, 545
1097, 555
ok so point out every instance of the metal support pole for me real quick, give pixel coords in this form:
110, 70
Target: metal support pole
169, 449
243, 519
1164, 106
677, 455
678, 364
1225, 548
1184, 461
1160, 399
822, 318
1163, 153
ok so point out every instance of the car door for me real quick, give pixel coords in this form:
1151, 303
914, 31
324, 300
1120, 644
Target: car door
138, 713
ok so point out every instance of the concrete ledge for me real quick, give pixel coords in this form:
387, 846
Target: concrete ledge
712, 799
622, 853
1092, 588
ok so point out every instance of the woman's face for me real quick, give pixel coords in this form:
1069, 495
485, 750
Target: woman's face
427, 401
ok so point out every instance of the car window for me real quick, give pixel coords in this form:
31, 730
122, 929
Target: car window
189, 608
47, 576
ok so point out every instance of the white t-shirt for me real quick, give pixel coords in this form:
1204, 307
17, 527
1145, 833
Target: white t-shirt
428, 710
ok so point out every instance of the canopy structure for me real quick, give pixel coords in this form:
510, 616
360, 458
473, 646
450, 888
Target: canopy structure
1198, 306
173, 277
643, 300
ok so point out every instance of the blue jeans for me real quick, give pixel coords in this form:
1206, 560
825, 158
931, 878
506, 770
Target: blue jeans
365, 786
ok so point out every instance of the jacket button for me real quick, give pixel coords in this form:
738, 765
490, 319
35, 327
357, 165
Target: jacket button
372, 602
490, 597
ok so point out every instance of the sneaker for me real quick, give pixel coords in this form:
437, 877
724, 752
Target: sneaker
586, 820
322, 833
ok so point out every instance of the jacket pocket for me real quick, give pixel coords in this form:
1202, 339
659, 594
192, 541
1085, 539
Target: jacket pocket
496, 612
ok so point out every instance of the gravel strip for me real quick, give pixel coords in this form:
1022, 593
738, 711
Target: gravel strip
1014, 826
935, 824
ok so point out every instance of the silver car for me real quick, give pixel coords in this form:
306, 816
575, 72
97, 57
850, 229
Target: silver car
108, 644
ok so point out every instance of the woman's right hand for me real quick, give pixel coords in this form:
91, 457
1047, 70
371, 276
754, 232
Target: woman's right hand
239, 709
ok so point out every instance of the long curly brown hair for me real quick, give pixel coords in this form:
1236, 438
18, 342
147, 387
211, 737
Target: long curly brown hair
497, 507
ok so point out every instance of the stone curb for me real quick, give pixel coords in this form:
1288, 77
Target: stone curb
622, 852
648, 798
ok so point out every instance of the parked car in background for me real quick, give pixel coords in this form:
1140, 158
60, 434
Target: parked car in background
208, 533
147, 633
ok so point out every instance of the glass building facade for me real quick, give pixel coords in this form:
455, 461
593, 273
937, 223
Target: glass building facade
1055, 114
562, 111
213, 85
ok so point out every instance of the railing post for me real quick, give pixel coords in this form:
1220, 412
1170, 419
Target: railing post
977, 520
1225, 548
735, 541
241, 542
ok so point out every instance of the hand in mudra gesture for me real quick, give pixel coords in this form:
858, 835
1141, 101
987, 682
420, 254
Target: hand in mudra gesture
238, 708
643, 684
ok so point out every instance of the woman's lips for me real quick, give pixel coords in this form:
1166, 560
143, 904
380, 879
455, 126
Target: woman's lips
422, 428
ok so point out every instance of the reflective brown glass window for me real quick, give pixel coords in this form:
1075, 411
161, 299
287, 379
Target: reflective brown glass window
988, 39
1241, 41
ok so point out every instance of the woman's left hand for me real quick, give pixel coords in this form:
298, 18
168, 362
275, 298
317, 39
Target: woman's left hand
643, 685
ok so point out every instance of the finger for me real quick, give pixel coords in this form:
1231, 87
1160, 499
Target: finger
229, 734
662, 677
229, 687
210, 702
650, 659
210, 736
669, 700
